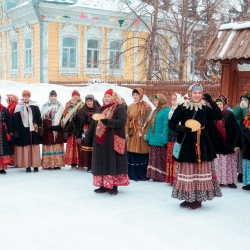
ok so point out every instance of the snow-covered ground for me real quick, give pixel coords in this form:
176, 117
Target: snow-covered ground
58, 209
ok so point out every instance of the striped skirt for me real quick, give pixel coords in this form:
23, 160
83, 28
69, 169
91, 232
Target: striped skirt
194, 184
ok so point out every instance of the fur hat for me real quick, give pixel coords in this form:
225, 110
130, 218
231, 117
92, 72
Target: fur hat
89, 97
26, 92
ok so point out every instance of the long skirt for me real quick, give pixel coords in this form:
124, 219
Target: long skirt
28, 156
226, 168
108, 181
171, 165
72, 151
85, 155
239, 162
137, 166
4, 162
12, 158
246, 171
53, 156
193, 184
157, 163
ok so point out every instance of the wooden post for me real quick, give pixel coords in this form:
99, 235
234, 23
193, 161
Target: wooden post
228, 84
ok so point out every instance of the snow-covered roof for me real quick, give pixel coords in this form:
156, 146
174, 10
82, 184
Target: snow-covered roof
235, 26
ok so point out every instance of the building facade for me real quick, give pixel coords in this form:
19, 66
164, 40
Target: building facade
52, 41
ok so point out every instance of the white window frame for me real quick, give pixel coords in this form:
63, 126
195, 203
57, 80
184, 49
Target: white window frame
27, 33
13, 37
68, 53
116, 36
95, 34
69, 31
93, 50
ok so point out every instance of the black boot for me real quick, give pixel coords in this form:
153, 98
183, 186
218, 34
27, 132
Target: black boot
194, 205
113, 191
232, 185
2, 171
240, 178
28, 170
89, 170
57, 168
35, 170
185, 204
247, 187
101, 190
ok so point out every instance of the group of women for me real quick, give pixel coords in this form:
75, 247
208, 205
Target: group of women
208, 156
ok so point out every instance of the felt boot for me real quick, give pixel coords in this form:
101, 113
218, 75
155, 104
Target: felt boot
101, 190
185, 204
113, 191
194, 205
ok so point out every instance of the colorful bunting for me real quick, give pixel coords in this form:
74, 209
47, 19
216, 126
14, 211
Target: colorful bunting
89, 16
137, 22
43, 17
58, 17
66, 16
82, 15
121, 22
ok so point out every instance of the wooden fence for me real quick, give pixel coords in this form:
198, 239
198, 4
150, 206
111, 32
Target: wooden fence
153, 87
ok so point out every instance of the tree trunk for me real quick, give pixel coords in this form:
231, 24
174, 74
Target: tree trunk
152, 43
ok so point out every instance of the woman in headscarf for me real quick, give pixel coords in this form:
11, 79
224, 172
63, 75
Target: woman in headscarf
138, 116
27, 125
157, 138
6, 138
12, 101
69, 122
171, 164
85, 115
110, 168
243, 143
240, 111
223, 135
52, 139
196, 179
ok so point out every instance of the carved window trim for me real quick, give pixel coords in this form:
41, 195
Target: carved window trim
70, 31
27, 33
13, 37
117, 36
95, 34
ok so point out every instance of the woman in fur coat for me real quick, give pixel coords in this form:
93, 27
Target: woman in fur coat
196, 180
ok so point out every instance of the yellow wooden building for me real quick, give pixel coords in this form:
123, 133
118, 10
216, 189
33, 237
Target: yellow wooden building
57, 41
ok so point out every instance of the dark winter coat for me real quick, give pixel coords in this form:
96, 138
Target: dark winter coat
25, 137
106, 161
188, 149
5, 122
243, 141
84, 119
231, 127
47, 137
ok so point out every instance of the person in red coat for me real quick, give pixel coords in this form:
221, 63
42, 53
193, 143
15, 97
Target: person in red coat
12, 101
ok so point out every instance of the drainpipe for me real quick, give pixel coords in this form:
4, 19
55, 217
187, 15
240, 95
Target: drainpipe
35, 4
